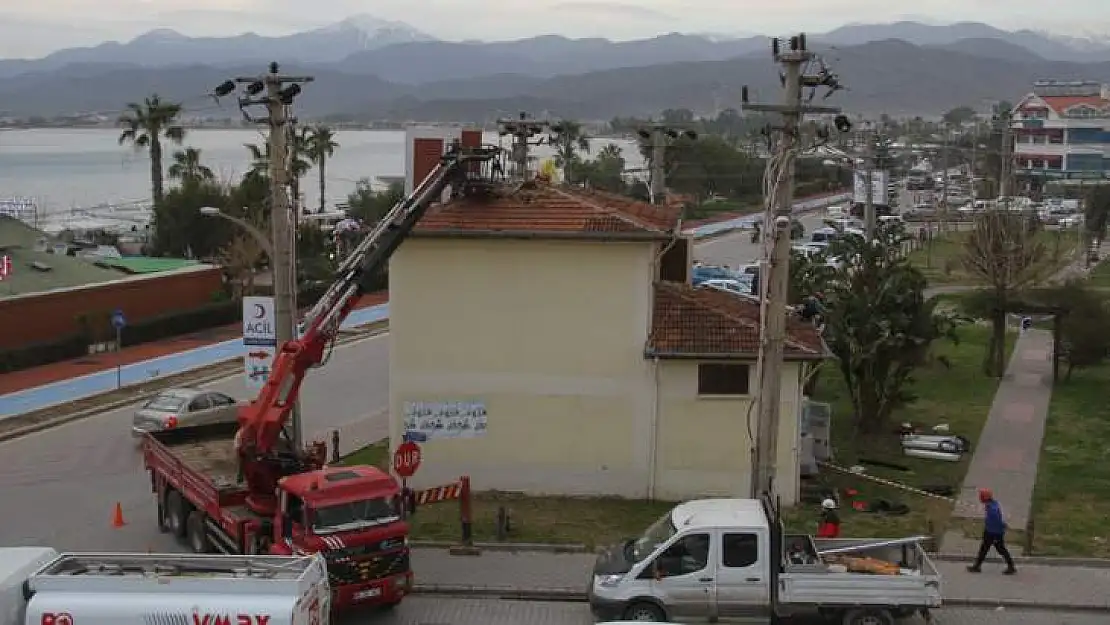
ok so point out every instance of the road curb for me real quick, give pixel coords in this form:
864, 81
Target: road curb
575, 548
156, 385
571, 595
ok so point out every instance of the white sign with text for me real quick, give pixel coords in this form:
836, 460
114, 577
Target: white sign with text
259, 339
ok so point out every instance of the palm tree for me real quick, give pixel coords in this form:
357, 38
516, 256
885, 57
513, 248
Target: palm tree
260, 163
260, 159
569, 141
144, 126
188, 169
321, 146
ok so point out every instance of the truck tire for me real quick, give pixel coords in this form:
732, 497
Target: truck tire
197, 534
177, 513
645, 611
868, 616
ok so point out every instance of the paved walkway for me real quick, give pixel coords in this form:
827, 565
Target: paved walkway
570, 573
68, 369
1006, 457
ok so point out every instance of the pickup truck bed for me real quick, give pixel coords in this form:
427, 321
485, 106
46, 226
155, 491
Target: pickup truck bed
823, 584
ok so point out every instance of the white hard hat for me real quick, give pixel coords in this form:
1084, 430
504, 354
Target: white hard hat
828, 504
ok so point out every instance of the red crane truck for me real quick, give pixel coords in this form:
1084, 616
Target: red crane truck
241, 488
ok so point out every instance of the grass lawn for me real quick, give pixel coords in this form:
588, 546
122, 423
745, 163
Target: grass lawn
1100, 275
942, 259
1071, 504
959, 396
589, 521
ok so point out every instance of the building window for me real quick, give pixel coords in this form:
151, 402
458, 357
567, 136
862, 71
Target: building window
720, 379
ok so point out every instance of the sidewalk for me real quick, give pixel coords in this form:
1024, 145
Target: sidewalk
568, 575
1010, 444
95, 363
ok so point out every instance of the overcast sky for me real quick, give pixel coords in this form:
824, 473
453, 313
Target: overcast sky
29, 29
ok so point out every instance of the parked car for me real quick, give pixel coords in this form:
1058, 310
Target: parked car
184, 407
738, 287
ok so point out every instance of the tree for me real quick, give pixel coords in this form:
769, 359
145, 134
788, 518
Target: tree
370, 206
181, 231
299, 164
1097, 212
569, 143
879, 325
1003, 251
187, 167
1085, 326
606, 172
321, 147
145, 125
240, 258
959, 116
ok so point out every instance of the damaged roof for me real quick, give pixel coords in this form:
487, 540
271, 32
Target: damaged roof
689, 322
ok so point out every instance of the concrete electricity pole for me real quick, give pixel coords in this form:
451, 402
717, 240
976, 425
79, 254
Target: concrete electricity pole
660, 136
944, 163
522, 129
780, 170
279, 93
869, 218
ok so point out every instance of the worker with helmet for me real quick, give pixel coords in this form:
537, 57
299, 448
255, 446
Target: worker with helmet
829, 525
994, 533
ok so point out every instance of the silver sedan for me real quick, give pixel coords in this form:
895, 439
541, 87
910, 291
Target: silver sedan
183, 407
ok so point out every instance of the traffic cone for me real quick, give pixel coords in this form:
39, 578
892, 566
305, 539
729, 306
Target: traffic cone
117, 516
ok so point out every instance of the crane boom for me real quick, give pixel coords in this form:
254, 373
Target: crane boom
257, 442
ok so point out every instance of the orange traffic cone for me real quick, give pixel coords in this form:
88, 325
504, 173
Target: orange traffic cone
117, 517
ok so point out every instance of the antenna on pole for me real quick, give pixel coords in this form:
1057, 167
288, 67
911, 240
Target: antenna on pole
523, 130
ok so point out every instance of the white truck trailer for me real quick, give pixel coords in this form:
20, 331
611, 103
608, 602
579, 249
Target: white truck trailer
41, 587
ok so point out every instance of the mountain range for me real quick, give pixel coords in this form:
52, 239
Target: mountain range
375, 69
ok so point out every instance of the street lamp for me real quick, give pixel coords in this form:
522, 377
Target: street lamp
259, 236
285, 294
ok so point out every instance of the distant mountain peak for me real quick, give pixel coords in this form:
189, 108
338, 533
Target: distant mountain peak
160, 34
374, 27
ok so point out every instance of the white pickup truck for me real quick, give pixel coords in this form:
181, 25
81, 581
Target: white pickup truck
729, 559
38, 586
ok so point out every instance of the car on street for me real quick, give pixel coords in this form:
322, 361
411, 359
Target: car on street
184, 407
736, 287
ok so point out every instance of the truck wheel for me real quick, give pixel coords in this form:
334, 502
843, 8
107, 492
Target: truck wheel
176, 514
868, 616
644, 611
198, 537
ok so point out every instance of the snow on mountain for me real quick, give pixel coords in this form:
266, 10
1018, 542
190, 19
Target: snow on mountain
377, 32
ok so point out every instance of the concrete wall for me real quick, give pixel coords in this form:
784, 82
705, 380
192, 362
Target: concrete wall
549, 336
42, 317
705, 442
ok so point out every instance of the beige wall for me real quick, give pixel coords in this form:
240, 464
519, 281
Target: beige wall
550, 336
704, 442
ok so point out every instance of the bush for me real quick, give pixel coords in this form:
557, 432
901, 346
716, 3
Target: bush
73, 346
206, 317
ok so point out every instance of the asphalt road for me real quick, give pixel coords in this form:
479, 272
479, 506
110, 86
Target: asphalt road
736, 248
59, 486
423, 610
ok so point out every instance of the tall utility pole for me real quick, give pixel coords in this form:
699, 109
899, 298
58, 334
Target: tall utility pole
522, 129
277, 92
869, 218
1007, 154
944, 182
660, 136
773, 314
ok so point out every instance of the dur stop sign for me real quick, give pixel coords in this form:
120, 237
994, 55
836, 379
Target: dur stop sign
406, 459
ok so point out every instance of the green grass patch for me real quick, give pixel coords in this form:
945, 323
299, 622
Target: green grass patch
959, 396
1071, 503
1100, 275
941, 259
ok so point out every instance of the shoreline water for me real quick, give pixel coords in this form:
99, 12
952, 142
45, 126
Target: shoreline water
60, 169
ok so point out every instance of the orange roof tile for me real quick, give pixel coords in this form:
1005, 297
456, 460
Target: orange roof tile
540, 208
709, 323
1060, 103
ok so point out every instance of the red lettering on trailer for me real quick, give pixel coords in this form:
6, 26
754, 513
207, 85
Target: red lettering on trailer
223, 619
59, 618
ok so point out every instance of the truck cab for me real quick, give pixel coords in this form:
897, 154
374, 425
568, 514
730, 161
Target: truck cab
350, 515
729, 559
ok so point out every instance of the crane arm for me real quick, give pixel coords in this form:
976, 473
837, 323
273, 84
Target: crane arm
262, 421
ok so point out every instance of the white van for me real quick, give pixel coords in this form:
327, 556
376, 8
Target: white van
725, 559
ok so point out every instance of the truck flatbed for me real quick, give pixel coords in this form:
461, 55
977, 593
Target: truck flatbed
204, 451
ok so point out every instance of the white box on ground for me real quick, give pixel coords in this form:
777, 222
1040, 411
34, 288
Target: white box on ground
259, 339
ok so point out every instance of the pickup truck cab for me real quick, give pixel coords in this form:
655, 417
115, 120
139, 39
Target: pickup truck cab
729, 559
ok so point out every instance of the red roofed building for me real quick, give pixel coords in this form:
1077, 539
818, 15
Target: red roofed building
1062, 131
546, 340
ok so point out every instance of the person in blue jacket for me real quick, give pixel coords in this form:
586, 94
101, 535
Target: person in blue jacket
994, 533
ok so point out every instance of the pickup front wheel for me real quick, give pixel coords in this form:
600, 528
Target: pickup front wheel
868, 616
644, 611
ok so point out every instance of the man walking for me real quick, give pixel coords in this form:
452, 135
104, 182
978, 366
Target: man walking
994, 533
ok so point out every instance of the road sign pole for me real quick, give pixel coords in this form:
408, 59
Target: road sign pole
119, 363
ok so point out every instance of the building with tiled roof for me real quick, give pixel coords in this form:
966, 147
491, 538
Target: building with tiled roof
546, 339
1061, 132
